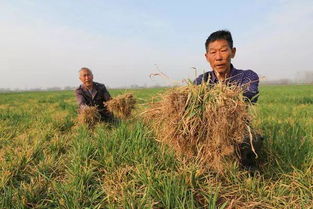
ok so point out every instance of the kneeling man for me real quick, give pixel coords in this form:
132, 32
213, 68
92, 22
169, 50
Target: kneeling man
91, 93
219, 52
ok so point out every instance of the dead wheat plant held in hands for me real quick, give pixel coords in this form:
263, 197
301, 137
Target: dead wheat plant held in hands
201, 122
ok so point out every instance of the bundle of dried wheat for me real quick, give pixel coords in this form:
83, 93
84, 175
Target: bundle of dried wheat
88, 115
201, 122
122, 105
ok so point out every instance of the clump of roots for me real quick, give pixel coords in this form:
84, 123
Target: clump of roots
122, 105
202, 122
89, 115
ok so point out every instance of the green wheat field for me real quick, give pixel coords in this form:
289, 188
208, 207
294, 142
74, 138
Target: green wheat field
47, 160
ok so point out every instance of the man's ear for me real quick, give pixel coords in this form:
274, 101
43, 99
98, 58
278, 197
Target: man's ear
233, 51
80, 78
206, 55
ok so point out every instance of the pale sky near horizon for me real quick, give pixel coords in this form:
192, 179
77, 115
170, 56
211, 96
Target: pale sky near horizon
44, 43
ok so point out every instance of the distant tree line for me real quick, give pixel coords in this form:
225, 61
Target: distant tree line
302, 78
68, 88
37, 89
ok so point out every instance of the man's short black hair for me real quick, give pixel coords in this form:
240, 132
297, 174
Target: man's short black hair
219, 35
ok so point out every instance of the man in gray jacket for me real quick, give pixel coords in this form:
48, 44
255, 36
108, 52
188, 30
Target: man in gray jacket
91, 93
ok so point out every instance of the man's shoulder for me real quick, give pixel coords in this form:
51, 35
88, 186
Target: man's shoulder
99, 85
251, 75
247, 74
79, 88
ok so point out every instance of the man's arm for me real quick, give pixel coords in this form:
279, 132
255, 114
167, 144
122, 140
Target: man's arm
81, 100
251, 85
106, 94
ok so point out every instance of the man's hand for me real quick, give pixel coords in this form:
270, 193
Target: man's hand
105, 104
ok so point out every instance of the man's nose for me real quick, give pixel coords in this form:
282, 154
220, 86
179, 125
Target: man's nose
218, 56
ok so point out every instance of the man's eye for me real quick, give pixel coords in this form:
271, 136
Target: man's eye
212, 52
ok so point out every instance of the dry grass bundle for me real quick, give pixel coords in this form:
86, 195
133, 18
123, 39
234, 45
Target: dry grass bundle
122, 105
201, 122
89, 115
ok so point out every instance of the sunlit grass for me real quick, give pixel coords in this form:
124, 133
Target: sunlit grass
49, 161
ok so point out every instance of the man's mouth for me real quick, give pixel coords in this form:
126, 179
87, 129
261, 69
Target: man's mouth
220, 65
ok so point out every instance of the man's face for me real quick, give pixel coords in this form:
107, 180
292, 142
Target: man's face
219, 55
86, 77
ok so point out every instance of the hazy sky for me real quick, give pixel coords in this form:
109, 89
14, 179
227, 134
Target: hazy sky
44, 43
